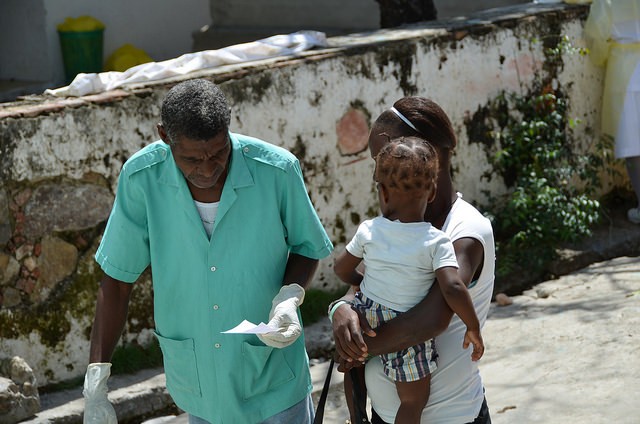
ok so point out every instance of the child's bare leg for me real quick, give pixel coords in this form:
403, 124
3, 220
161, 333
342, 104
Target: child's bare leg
413, 398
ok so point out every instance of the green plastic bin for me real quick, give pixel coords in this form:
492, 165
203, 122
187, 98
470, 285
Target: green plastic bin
81, 52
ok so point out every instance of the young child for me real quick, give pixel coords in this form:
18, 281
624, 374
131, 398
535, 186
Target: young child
402, 256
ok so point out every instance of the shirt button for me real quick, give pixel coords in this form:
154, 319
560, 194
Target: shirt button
217, 345
246, 150
216, 307
213, 269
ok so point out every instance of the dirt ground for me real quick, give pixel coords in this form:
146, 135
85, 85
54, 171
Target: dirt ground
567, 351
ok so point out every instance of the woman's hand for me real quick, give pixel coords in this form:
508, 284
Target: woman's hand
348, 327
345, 366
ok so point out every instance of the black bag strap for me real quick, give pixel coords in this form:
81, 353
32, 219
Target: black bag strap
323, 396
359, 396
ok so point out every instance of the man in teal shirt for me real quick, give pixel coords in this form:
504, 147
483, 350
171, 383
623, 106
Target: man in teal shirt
227, 227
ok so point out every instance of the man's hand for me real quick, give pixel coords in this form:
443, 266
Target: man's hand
97, 409
284, 316
348, 327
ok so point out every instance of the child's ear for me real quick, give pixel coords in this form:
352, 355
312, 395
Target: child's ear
384, 192
432, 195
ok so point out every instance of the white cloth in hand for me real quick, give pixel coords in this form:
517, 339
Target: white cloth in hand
284, 316
97, 409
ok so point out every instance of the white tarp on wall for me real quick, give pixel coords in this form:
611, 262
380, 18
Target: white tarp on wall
277, 45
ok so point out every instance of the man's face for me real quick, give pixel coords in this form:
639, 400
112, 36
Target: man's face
203, 162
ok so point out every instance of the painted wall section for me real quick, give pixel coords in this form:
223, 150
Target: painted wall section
318, 104
30, 49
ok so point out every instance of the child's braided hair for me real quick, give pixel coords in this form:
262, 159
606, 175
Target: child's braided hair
407, 164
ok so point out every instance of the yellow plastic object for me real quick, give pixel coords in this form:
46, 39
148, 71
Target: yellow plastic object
83, 23
125, 57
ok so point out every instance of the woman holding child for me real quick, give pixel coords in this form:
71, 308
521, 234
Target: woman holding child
456, 389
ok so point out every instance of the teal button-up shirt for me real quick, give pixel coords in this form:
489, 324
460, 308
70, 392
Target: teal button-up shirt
205, 286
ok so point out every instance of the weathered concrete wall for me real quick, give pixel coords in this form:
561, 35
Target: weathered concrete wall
59, 158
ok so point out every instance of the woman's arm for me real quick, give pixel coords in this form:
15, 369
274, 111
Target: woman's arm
348, 324
424, 321
470, 257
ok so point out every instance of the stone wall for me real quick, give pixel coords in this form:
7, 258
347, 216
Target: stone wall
59, 158
19, 398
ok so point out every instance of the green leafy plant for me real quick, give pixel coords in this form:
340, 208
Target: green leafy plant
550, 199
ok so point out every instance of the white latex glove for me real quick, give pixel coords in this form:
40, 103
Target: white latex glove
97, 409
284, 316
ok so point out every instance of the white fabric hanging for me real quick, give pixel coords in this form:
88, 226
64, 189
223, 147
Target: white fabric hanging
277, 45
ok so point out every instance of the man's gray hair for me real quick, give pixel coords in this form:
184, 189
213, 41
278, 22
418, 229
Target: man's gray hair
196, 109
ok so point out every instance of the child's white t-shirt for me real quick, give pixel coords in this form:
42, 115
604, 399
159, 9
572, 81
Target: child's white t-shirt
400, 260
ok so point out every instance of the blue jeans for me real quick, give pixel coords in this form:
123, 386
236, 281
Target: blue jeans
300, 413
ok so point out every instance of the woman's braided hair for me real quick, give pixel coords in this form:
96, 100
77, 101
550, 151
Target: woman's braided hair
431, 121
407, 164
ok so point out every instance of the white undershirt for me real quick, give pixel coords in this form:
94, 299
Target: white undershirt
208, 212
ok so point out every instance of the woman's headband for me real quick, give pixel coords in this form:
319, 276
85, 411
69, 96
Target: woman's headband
404, 119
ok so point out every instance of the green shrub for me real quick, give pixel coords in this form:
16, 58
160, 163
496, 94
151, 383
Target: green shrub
550, 199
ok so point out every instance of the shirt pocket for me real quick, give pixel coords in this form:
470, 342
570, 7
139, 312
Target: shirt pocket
180, 365
263, 369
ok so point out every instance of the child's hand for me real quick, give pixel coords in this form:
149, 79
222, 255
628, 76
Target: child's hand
474, 337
